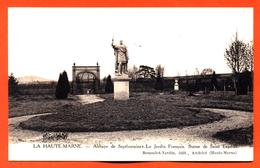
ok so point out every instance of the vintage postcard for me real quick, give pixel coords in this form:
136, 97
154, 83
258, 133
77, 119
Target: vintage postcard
130, 84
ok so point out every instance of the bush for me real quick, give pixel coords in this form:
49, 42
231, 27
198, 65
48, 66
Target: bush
109, 88
12, 85
63, 86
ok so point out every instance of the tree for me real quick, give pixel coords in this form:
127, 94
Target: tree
109, 88
178, 73
132, 72
239, 57
186, 73
208, 80
207, 71
248, 61
146, 72
214, 81
63, 86
159, 84
235, 55
66, 82
104, 79
196, 72
12, 85
159, 70
159, 80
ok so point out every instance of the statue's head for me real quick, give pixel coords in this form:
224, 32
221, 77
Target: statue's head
121, 42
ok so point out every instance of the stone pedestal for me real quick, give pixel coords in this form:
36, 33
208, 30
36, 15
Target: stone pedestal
121, 87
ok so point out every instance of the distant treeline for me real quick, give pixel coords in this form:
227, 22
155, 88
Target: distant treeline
194, 83
37, 88
241, 82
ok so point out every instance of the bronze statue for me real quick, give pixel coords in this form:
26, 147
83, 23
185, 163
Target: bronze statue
121, 54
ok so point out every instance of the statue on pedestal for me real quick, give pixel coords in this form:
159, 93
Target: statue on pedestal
121, 54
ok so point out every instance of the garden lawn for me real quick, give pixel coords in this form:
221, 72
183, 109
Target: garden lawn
138, 113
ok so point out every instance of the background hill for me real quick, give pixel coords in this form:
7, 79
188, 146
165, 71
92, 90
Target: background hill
32, 79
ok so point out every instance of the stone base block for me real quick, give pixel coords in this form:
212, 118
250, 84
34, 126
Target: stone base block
121, 88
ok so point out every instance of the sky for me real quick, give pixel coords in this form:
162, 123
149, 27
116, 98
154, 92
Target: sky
45, 41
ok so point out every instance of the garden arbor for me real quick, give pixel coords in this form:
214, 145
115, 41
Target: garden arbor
85, 79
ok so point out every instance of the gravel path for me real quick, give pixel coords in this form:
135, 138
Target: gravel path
87, 99
186, 135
